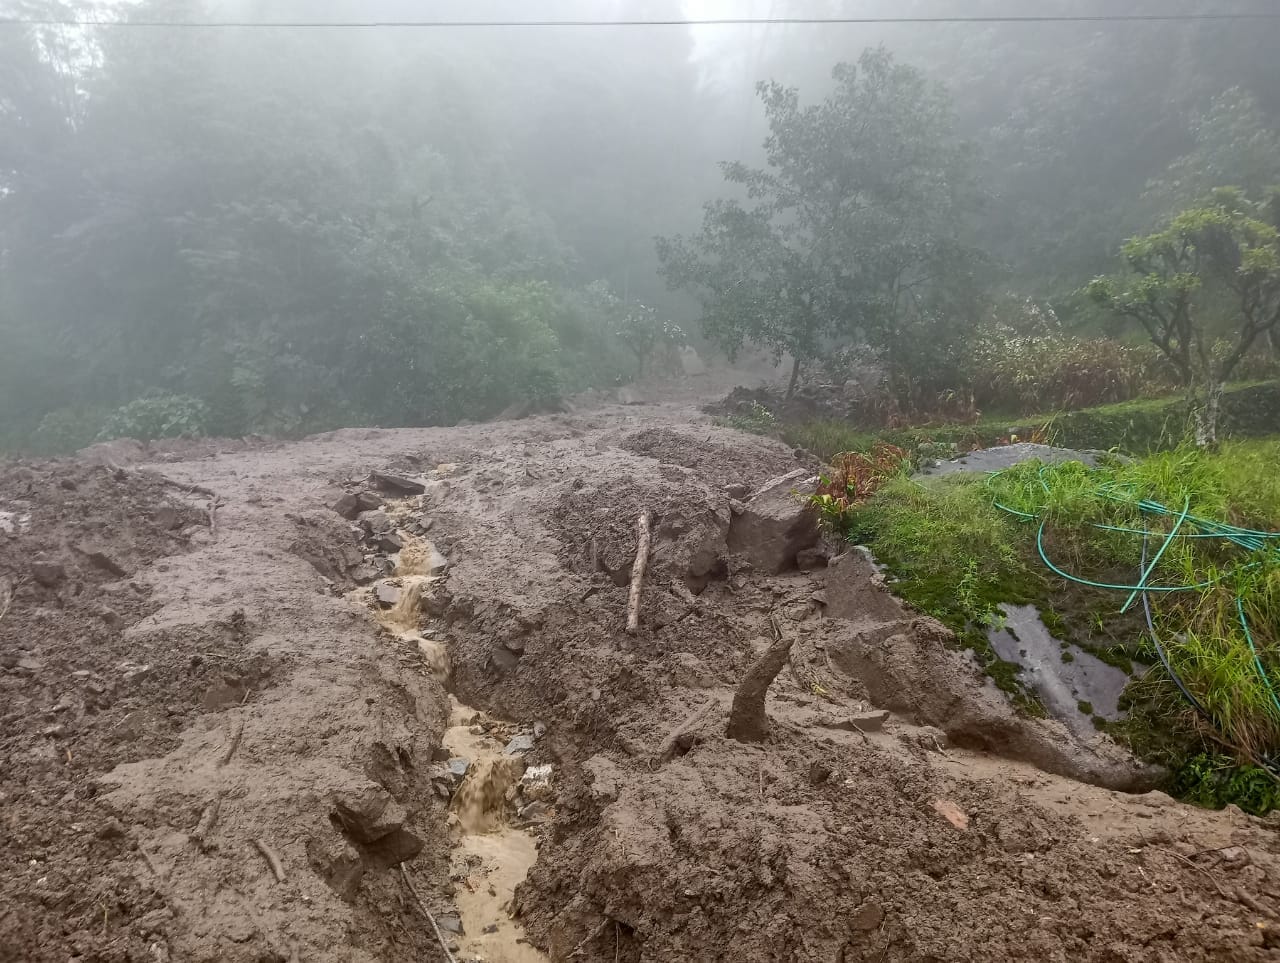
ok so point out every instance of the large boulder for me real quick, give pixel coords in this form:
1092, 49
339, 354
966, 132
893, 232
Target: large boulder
776, 522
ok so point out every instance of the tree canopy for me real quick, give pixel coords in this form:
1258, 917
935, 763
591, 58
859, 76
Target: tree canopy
855, 228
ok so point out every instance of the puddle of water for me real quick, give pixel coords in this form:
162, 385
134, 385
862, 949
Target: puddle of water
1061, 686
496, 855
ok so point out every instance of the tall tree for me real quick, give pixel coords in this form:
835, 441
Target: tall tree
1204, 290
855, 228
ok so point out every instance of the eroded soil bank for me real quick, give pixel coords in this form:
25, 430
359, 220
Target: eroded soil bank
202, 686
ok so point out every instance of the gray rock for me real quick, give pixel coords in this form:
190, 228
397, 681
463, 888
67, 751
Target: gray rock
387, 594
396, 485
776, 523
450, 923
535, 812
458, 767
518, 745
388, 542
376, 522
539, 730
368, 814
100, 559
819, 773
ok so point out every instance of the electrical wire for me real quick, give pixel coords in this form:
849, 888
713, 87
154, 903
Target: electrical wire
1248, 17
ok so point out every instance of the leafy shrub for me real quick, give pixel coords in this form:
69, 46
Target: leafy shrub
157, 415
755, 418
855, 476
65, 430
1046, 372
1213, 780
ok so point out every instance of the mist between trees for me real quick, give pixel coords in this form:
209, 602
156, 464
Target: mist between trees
283, 230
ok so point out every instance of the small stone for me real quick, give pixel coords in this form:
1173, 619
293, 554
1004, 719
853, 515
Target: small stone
111, 617
539, 730
538, 811
396, 485
368, 502
868, 916
515, 645
167, 518
102, 560
368, 814
502, 661
872, 721
952, 813
518, 745
111, 829
376, 522
491, 928
387, 594
347, 506
819, 773
388, 542
28, 665
738, 490
54, 732
458, 767
134, 672
48, 574
450, 923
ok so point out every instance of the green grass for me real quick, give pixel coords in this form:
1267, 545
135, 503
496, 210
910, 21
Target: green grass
956, 556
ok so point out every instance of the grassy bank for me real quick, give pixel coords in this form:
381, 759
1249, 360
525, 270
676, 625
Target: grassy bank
1136, 427
958, 546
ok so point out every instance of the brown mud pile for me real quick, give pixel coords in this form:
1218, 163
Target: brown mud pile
897, 810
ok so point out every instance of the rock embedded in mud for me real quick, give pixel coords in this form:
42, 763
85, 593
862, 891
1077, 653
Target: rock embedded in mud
376, 522
338, 863
518, 745
368, 814
458, 767
868, 916
387, 594
48, 574
776, 524
396, 485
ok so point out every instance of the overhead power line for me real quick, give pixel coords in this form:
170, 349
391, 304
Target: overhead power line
692, 22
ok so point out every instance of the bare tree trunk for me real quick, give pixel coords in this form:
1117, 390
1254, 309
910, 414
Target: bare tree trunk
795, 376
1207, 417
747, 719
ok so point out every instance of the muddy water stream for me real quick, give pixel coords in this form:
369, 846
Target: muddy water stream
490, 855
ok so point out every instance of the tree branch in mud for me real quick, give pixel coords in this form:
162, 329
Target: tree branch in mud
272, 859
404, 873
232, 746
691, 721
747, 719
637, 572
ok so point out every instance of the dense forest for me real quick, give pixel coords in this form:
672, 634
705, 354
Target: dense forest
282, 229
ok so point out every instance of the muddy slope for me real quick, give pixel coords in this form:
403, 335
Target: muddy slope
898, 810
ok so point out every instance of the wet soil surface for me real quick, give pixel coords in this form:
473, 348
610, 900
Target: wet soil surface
240, 725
